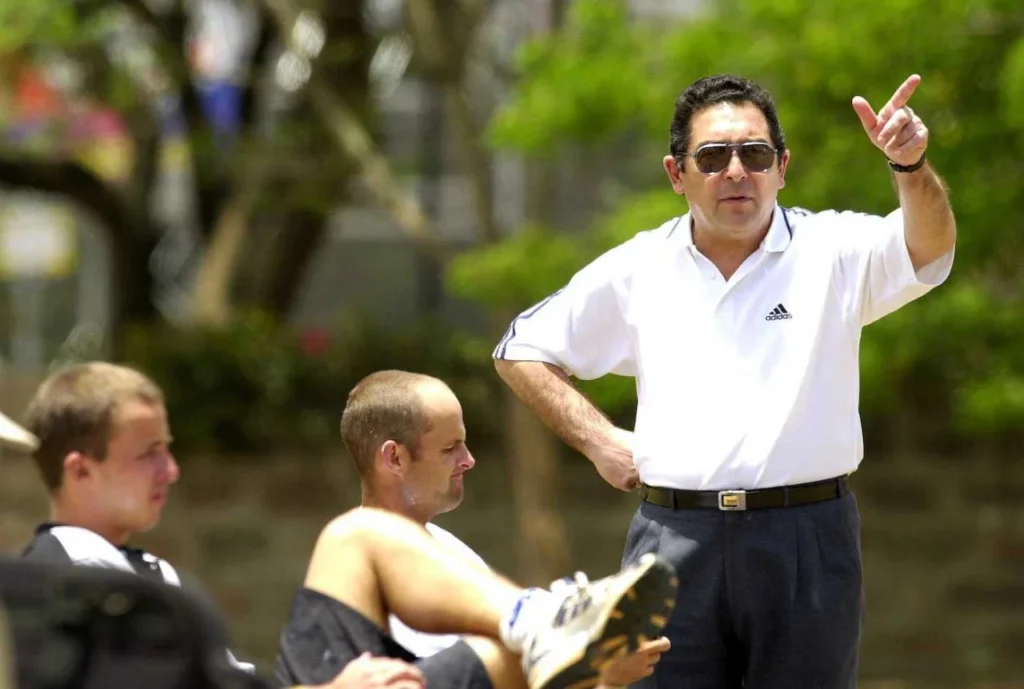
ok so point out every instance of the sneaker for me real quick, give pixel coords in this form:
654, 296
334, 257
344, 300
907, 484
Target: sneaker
577, 579
597, 622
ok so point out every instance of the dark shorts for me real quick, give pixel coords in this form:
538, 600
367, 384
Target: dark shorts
324, 635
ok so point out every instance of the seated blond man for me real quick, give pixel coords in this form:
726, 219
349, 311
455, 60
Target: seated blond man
369, 564
374, 571
423, 412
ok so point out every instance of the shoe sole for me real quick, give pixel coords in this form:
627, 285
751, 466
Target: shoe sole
641, 612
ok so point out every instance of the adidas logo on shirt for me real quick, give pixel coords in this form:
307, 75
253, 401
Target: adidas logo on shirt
779, 313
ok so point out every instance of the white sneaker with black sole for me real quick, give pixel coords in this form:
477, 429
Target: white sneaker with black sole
594, 623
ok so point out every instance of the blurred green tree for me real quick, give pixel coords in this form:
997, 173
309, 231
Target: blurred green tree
134, 57
948, 367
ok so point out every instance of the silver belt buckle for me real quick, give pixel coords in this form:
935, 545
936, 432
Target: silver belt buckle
732, 500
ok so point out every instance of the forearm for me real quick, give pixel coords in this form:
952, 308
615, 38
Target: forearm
929, 224
550, 394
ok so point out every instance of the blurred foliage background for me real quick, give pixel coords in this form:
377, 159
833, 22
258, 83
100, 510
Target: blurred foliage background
261, 201
946, 374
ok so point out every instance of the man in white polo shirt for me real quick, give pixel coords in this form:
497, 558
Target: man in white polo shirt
741, 323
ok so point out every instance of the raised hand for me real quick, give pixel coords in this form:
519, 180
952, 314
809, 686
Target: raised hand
895, 130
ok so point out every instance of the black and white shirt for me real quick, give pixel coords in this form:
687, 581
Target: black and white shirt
61, 544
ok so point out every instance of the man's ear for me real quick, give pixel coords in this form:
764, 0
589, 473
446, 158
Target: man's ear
393, 457
675, 174
783, 165
77, 467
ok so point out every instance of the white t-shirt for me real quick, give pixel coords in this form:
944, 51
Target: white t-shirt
421, 643
742, 383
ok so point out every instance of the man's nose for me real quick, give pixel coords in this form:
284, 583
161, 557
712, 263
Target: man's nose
172, 472
735, 170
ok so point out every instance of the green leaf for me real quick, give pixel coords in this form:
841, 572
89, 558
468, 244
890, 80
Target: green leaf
516, 272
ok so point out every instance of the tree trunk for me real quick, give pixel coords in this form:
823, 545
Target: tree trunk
295, 246
534, 451
446, 55
212, 302
131, 287
544, 552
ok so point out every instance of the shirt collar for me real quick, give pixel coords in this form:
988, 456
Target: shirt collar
779, 232
777, 239
47, 526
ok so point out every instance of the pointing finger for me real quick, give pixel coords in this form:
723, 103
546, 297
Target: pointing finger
900, 98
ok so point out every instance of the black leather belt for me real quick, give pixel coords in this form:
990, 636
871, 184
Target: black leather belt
740, 500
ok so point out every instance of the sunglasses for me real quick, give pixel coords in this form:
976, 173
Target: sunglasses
756, 156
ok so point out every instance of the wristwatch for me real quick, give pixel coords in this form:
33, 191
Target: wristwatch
896, 167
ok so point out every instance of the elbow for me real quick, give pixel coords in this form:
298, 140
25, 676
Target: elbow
945, 240
927, 254
950, 238
925, 249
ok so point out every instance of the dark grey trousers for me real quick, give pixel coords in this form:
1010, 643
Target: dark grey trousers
768, 599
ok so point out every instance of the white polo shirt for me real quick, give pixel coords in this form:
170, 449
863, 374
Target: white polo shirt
743, 383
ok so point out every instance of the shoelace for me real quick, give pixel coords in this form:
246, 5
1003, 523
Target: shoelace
576, 601
577, 579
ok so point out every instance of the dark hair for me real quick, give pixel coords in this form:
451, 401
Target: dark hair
74, 409
723, 88
385, 405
